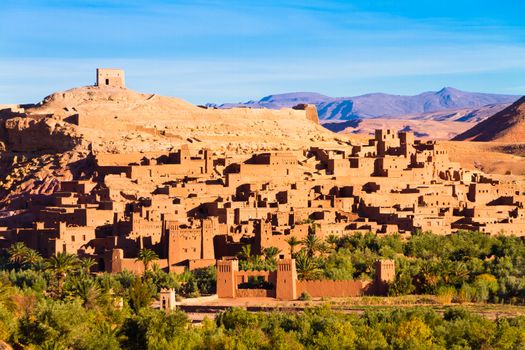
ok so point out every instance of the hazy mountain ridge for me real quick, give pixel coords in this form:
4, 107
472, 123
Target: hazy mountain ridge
381, 105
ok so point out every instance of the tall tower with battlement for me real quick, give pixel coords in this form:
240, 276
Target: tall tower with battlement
385, 271
286, 281
226, 284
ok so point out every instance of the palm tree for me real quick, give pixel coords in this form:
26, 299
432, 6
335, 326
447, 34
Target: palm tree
460, 271
293, 242
86, 264
17, 253
270, 257
246, 252
312, 244
52, 345
147, 256
306, 265
312, 229
270, 253
332, 241
32, 258
257, 263
86, 289
61, 264
140, 294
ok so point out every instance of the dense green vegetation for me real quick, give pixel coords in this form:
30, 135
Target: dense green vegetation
58, 303
42, 323
464, 267
468, 266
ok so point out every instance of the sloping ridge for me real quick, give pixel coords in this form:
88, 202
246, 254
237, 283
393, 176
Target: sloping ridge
507, 125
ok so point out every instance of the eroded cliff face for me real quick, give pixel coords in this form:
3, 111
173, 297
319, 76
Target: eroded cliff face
47, 134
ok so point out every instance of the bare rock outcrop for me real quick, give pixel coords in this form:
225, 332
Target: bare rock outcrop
310, 110
40, 134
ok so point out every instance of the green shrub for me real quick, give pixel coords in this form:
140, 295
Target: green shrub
305, 296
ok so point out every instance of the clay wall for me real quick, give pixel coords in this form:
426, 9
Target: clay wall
337, 229
200, 263
506, 228
115, 262
437, 225
82, 187
35, 238
266, 238
192, 168
339, 167
329, 288
72, 239
255, 293
363, 167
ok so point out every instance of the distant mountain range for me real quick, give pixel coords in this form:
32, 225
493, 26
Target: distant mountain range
444, 104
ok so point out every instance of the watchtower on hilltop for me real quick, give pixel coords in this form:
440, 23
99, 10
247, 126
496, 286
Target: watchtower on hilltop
110, 77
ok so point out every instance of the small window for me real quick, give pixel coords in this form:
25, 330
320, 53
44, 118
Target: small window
107, 81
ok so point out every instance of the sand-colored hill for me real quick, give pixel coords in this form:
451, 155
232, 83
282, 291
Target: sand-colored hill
53, 140
489, 157
505, 126
113, 119
425, 129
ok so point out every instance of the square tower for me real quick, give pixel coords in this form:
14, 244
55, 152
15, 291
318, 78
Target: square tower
385, 271
226, 282
167, 299
286, 288
110, 77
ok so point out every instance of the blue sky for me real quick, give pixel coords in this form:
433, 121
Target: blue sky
229, 51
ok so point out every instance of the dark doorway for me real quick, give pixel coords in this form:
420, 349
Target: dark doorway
107, 81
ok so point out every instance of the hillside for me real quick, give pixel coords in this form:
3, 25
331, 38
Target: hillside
52, 140
118, 119
425, 129
507, 125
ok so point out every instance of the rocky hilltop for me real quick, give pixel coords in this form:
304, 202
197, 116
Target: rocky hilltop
56, 138
115, 117
505, 126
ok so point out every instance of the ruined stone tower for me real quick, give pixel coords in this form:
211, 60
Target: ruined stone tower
110, 77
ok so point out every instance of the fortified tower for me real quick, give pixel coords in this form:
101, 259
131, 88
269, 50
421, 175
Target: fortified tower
226, 284
207, 234
286, 281
385, 271
167, 299
110, 77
